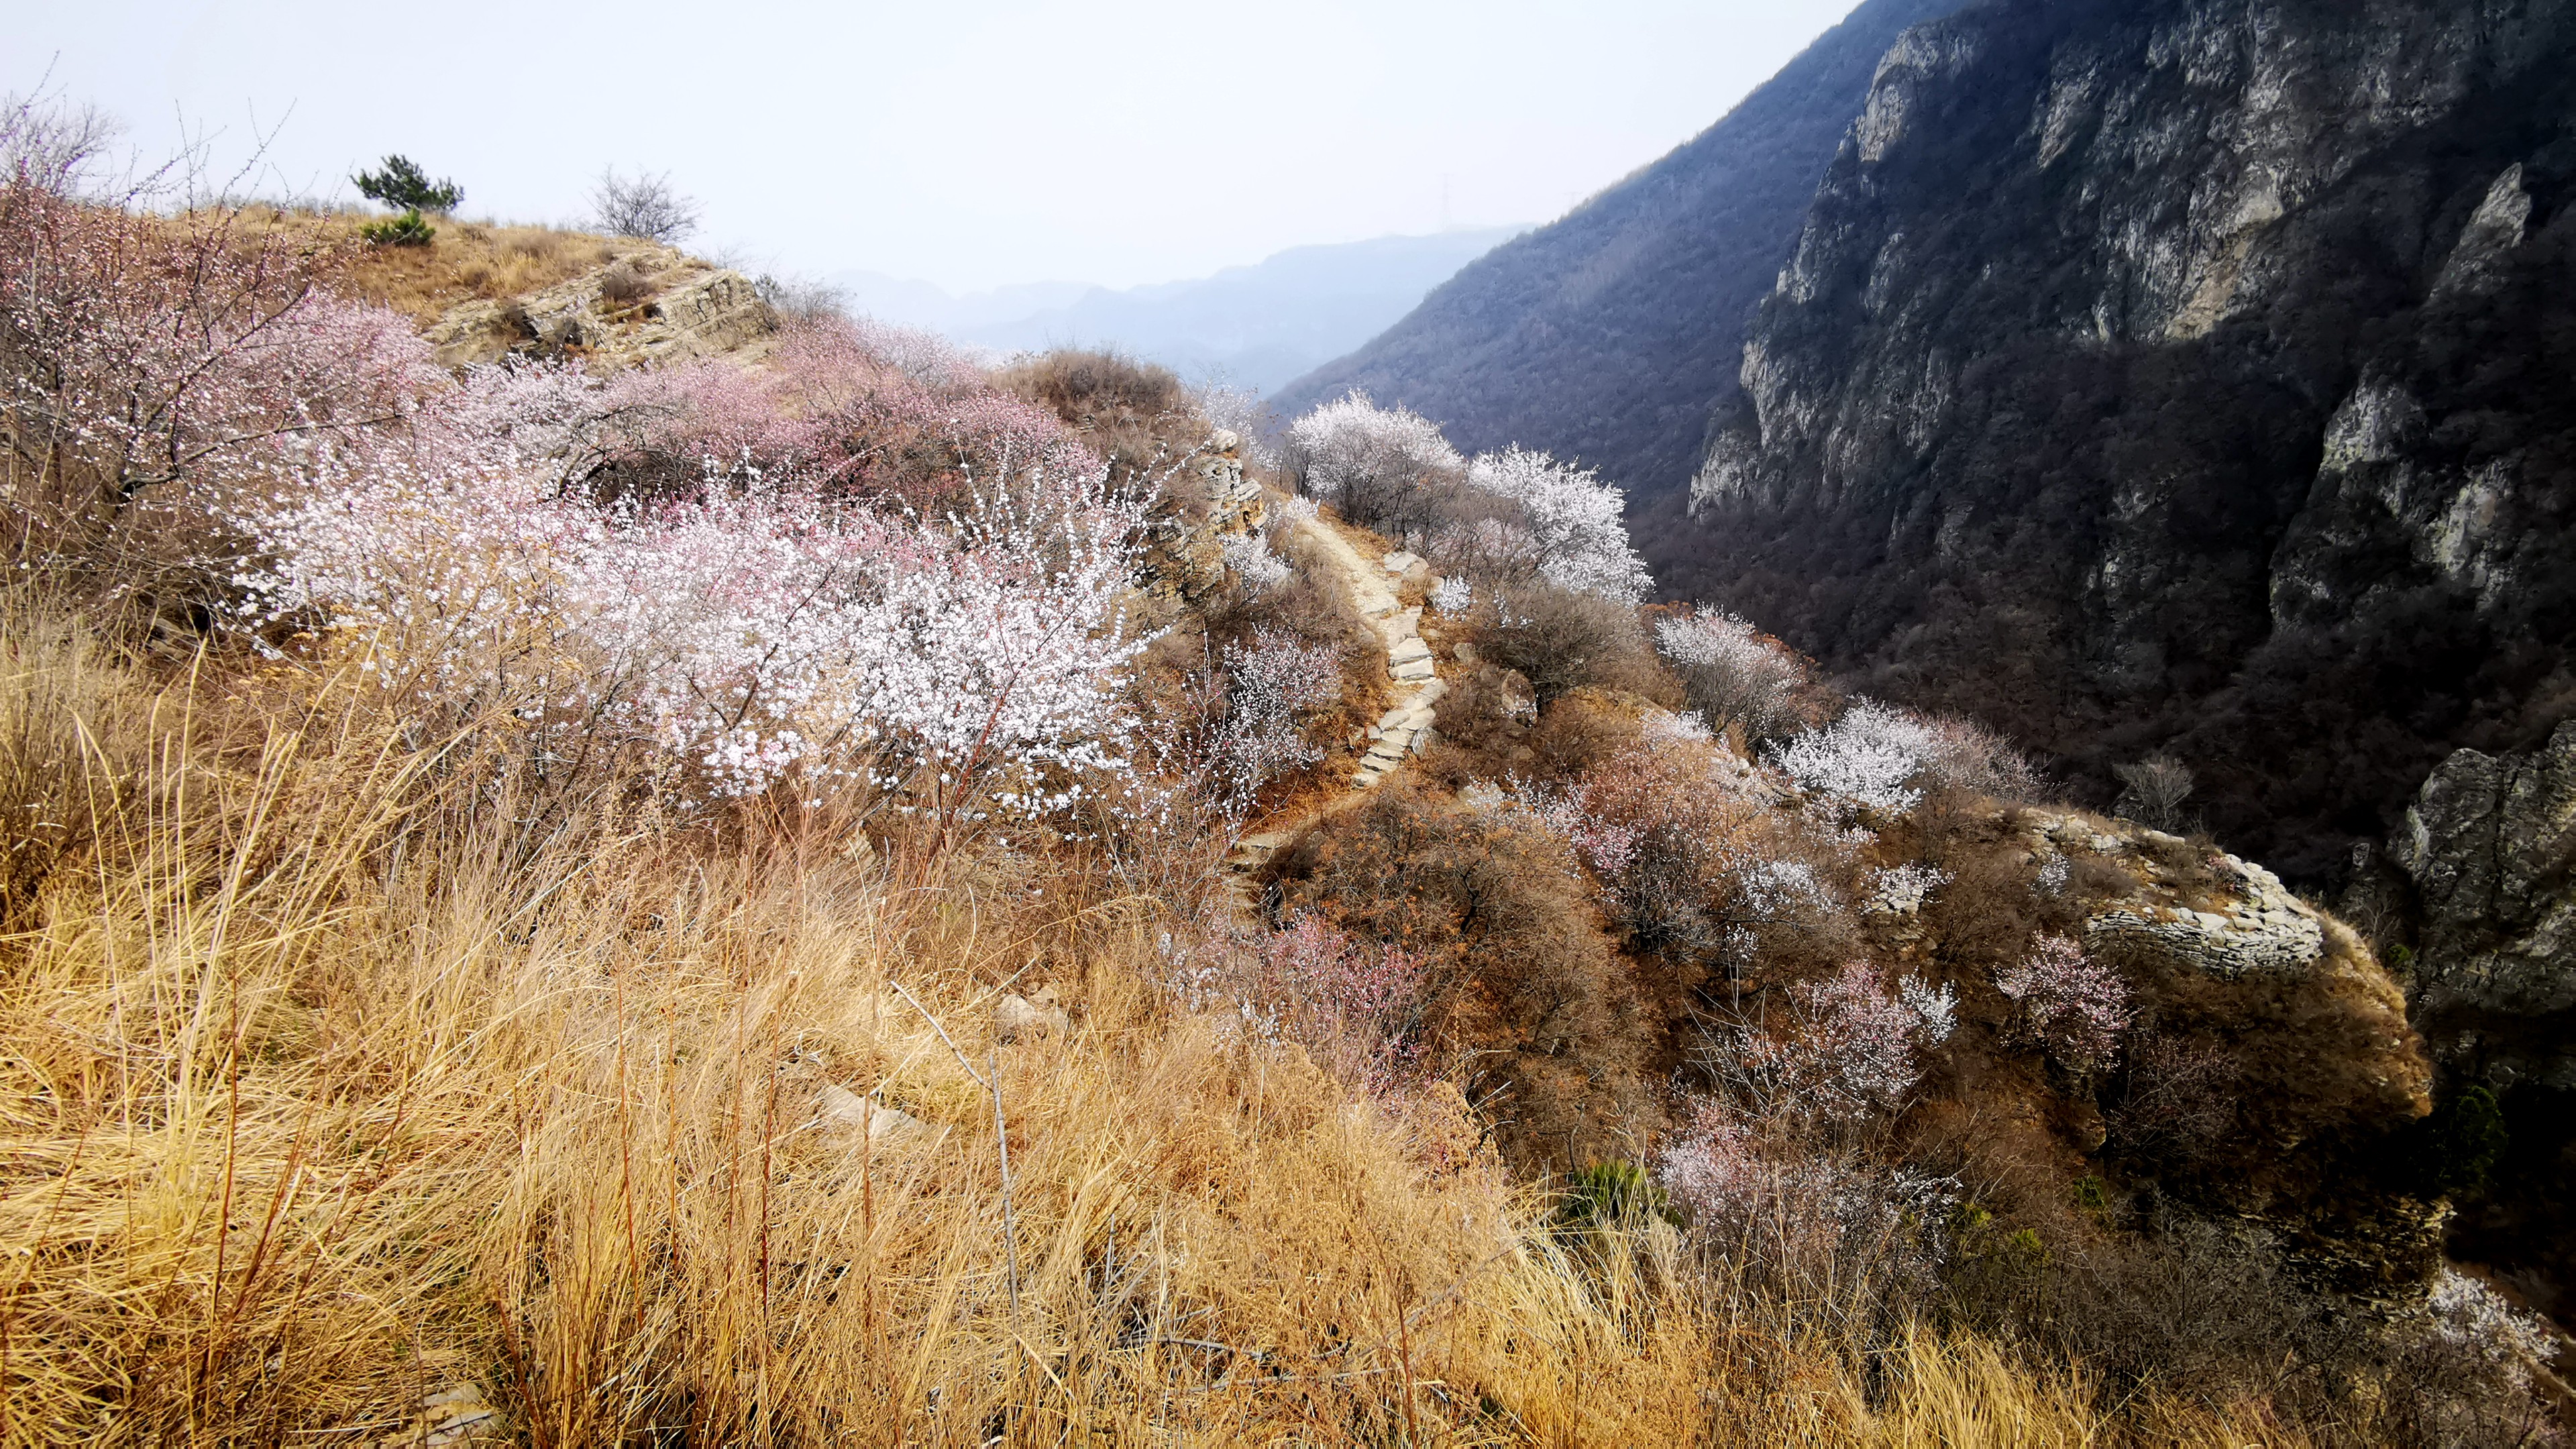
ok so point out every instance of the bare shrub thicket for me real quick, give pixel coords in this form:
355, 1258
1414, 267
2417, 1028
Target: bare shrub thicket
645, 206
53, 144
1136, 415
2153, 789
801, 298
1558, 639
1520, 978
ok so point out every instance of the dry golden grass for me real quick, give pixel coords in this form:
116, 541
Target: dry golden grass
464, 262
336, 1073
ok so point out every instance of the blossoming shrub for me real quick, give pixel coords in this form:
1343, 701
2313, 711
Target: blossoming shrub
1789, 1214
753, 629
1572, 519
1877, 761
1691, 864
1369, 462
853, 408
150, 365
1848, 1048
1358, 1003
1271, 680
1734, 673
2068, 1005
2468, 1365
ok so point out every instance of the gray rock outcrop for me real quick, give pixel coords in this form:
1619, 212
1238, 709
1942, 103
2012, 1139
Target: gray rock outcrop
2488, 845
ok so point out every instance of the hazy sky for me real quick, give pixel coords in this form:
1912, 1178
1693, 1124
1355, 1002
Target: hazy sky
970, 143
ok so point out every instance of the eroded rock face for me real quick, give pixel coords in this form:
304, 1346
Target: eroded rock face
2489, 844
2184, 374
2262, 930
685, 309
2324, 1078
1185, 559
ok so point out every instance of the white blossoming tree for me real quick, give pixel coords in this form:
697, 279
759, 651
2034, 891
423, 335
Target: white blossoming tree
1576, 532
1367, 460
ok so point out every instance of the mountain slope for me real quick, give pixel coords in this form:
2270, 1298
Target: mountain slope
1606, 335
2184, 374
1253, 327
2200, 376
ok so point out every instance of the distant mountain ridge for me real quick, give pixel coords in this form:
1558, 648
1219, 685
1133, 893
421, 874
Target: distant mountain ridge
1610, 335
1253, 326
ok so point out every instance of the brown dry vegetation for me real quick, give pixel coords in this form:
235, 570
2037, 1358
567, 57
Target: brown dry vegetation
332, 1083
466, 261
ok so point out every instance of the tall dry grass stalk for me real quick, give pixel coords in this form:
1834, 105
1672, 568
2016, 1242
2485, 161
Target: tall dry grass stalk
331, 1079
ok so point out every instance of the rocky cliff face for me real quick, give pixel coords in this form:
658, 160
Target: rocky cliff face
652, 305
2483, 871
2184, 375
2488, 846
2201, 377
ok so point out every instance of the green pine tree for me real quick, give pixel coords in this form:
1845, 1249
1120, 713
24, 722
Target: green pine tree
405, 187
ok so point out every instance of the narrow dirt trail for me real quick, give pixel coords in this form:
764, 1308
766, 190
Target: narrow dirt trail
1370, 586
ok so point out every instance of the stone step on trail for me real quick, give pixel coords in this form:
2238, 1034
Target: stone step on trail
1369, 585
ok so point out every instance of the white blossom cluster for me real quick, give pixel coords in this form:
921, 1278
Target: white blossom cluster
748, 633
1270, 680
2479, 1343
1574, 521
1249, 556
1868, 761
1609, 847
1733, 671
1902, 889
1354, 451
1686, 727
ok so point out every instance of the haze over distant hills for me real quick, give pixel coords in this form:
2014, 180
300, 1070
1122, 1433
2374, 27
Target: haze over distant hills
1253, 327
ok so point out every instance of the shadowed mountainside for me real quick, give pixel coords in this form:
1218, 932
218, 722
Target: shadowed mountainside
1606, 335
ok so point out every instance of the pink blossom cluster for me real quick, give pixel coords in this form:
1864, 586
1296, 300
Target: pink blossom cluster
1339, 993
849, 408
165, 354
2071, 1006
1849, 1048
